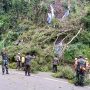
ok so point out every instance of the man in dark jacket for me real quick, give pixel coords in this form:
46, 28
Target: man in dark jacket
80, 67
5, 61
28, 59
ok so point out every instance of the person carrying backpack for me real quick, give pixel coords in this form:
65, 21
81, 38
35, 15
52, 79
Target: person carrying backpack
80, 67
5, 60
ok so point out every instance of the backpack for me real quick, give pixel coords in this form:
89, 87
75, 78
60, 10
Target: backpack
23, 59
81, 66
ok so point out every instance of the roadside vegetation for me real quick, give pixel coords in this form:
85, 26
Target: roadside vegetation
24, 21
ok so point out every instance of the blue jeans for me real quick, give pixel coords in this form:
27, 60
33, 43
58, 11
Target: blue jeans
5, 66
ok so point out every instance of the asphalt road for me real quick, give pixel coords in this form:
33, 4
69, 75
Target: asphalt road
42, 81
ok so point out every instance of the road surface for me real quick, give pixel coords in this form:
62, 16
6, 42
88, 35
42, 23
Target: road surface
42, 81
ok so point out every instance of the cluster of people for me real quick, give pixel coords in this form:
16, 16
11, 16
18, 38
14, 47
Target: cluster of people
23, 62
81, 67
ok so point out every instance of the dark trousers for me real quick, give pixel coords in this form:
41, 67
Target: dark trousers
80, 76
4, 66
18, 65
54, 68
27, 70
23, 66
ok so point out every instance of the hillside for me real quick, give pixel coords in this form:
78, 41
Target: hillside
23, 28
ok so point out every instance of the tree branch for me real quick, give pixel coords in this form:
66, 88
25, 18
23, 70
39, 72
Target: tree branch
74, 36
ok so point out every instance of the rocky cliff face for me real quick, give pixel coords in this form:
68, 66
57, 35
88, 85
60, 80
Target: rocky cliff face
58, 9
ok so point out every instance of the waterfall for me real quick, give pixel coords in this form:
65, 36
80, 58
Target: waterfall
66, 14
51, 14
52, 11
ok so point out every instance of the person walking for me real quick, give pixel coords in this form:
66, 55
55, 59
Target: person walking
5, 61
80, 68
28, 59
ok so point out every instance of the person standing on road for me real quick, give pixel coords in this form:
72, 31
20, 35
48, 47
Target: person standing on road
18, 61
28, 59
5, 61
55, 63
80, 68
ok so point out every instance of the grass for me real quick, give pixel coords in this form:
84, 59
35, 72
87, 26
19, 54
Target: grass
66, 72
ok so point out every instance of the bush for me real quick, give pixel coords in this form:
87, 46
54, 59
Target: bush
86, 20
12, 65
12, 51
58, 75
56, 23
1, 45
34, 66
65, 72
44, 68
83, 37
68, 73
10, 37
75, 50
87, 82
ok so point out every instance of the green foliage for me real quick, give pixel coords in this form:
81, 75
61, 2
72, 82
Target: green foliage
75, 50
12, 65
44, 68
86, 20
56, 23
34, 66
83, 37
6, 5
68, 73
10, 37
1, 45
4, 23
65, 72
12, 51
87, 82
19, 20
39, 43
